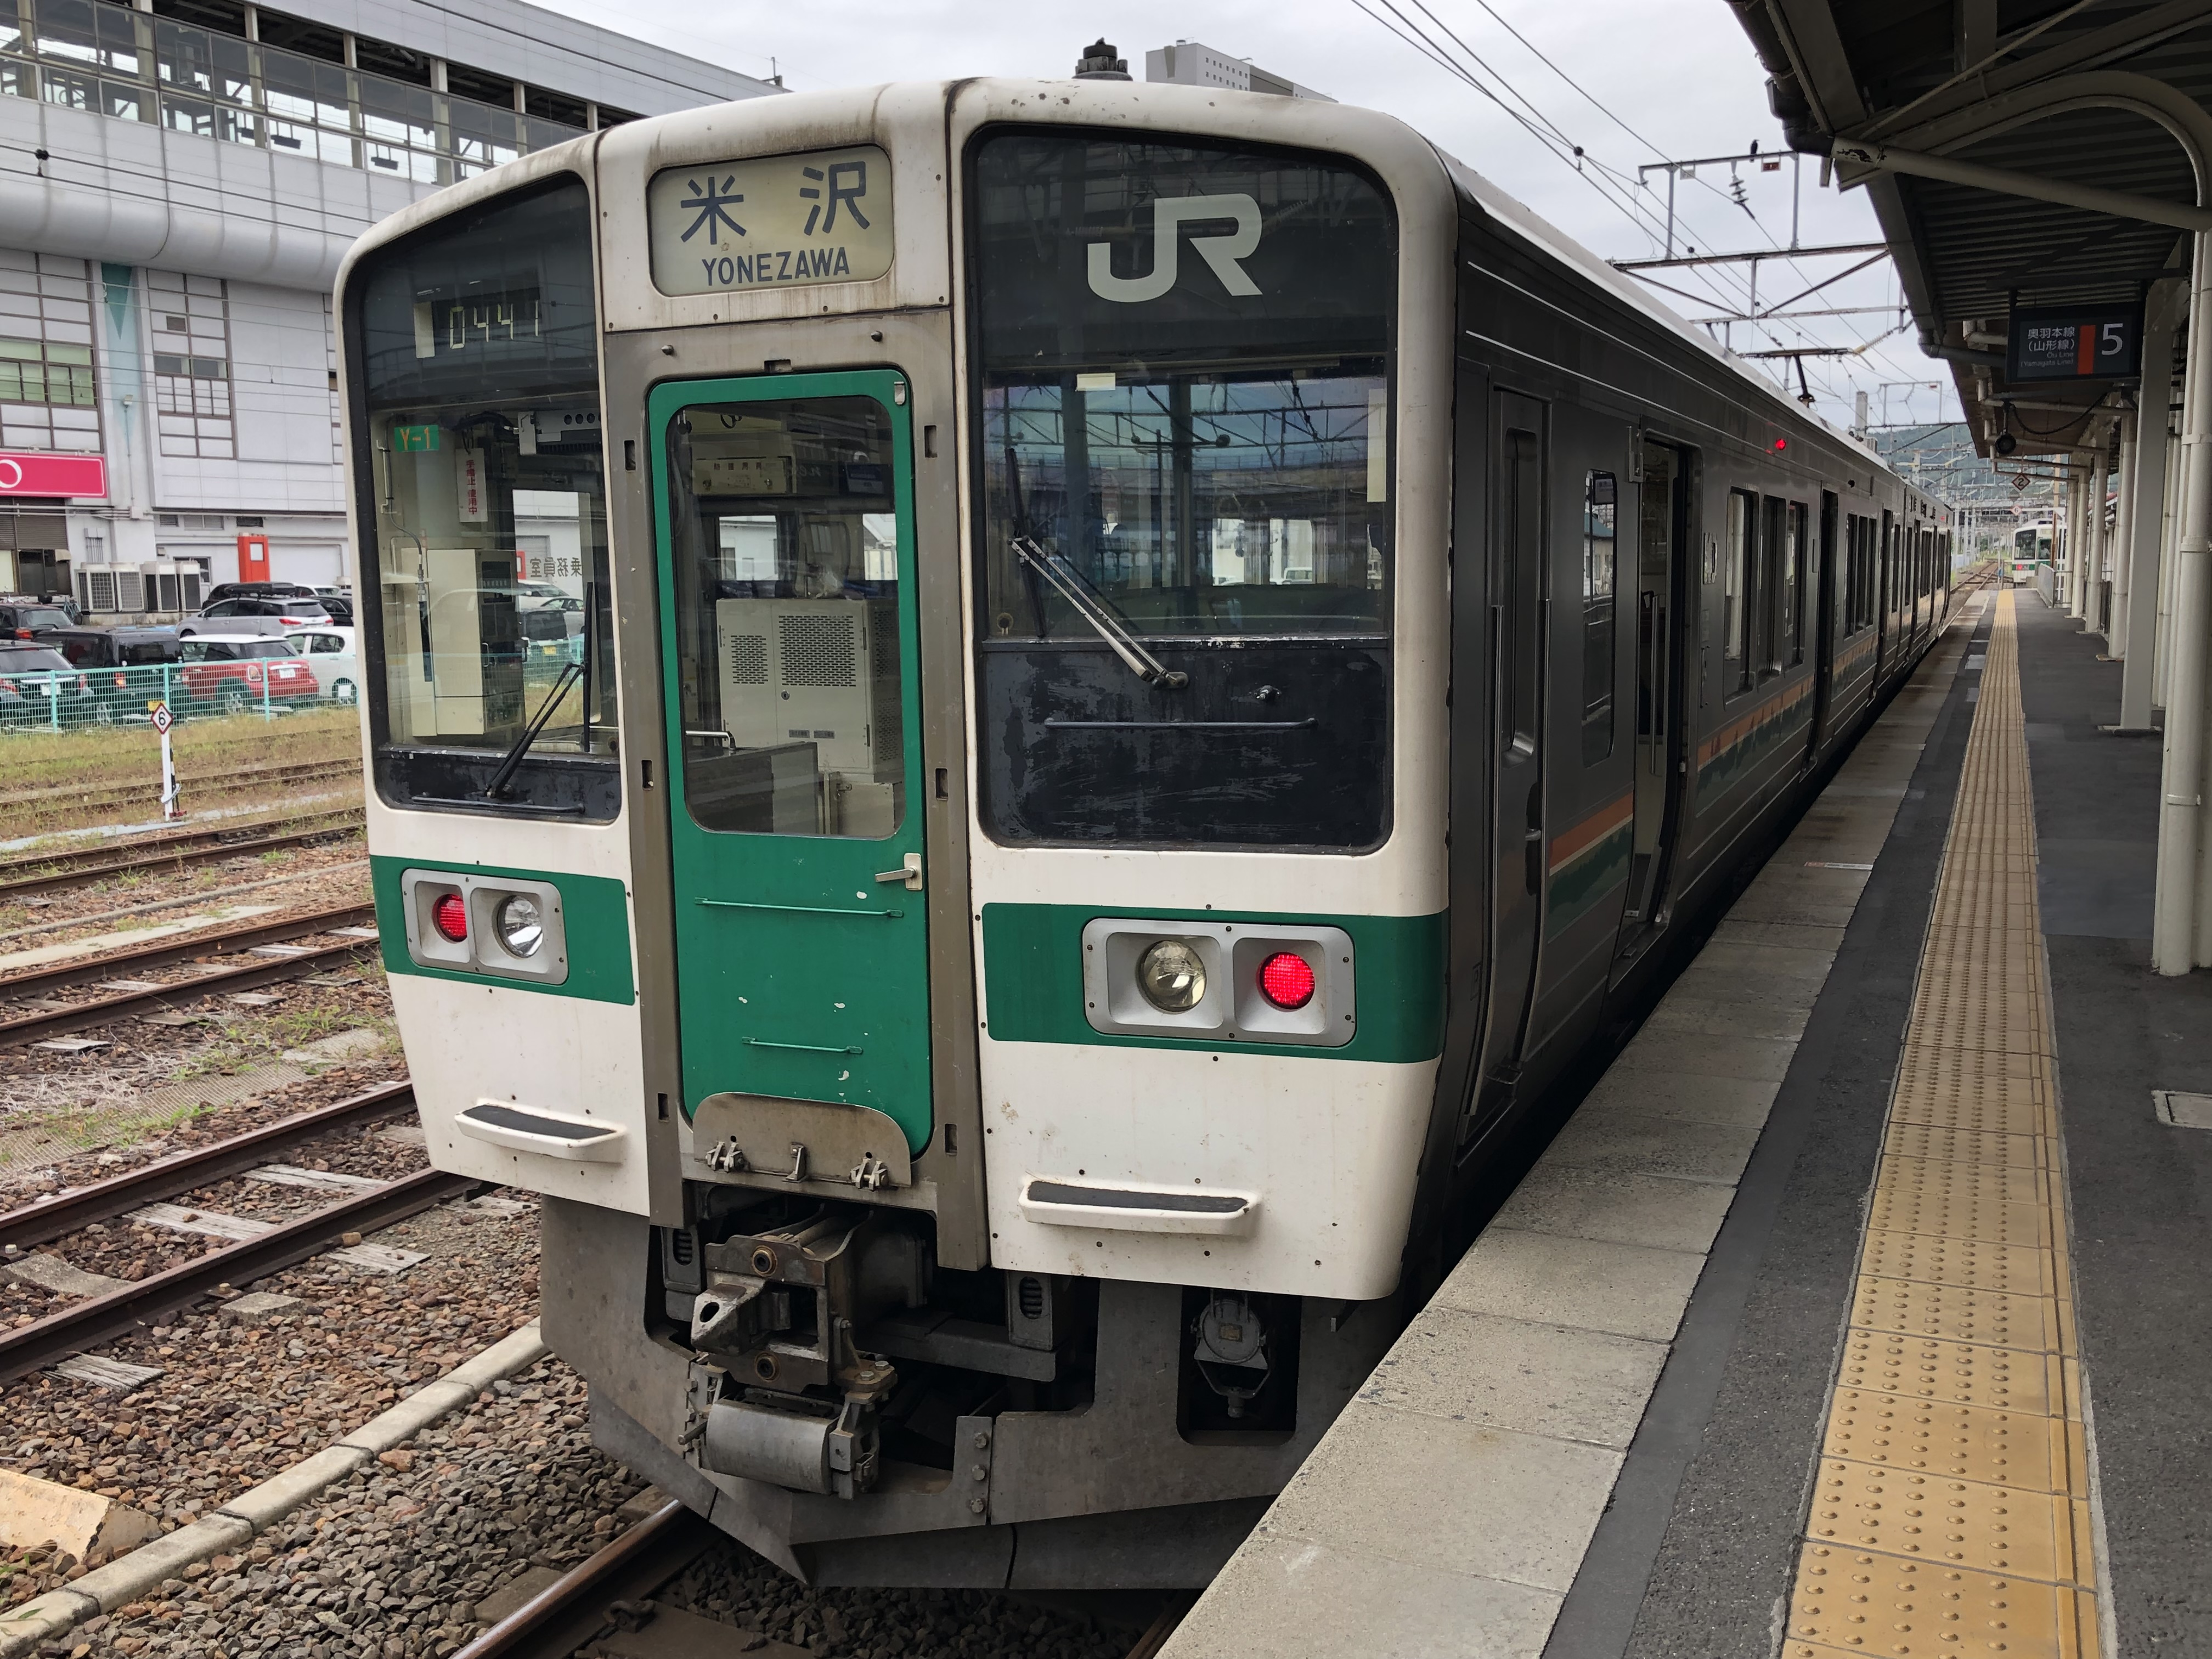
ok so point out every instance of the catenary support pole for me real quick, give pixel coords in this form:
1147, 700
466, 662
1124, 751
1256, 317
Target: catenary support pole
2143, 551
2173, 917
2116, 630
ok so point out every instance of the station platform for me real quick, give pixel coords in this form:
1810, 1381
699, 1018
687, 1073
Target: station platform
1865, 1305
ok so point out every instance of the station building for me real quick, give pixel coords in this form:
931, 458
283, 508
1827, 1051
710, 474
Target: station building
178, 182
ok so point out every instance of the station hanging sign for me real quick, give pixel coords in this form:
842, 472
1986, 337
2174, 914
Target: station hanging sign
36, 473
772, 222
2074, 345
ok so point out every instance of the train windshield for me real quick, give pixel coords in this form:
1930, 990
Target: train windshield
477, 442
1185, 545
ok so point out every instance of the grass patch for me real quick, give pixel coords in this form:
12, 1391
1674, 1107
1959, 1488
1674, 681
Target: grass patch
205, 750
262, 1039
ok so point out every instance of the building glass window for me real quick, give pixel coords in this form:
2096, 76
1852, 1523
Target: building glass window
109, 60
192, 365
43, 371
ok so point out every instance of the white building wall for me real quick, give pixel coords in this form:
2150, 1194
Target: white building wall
198, 273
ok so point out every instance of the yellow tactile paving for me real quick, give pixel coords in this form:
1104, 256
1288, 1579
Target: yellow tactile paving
2023, 1151
1956, 1523
1927, 1368
1950, 1508
1854, 1601
2022, 1449
2021, 1269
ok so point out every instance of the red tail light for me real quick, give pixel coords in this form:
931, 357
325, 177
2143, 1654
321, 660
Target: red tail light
1286, 980
451, 917
253, 677
122, 679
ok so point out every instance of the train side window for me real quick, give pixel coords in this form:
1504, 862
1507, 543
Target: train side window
1793, 589
1600, 545
1773, 583
1737, 577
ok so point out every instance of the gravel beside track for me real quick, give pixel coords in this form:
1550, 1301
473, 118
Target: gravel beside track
236, 1403
733, 1585
395, 1561
204, 1127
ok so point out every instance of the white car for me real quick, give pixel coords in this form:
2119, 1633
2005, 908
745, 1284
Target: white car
330, 653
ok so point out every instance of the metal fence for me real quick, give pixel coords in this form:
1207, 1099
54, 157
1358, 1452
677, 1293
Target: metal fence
70, 699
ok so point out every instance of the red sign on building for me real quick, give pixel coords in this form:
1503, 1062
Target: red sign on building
36, 473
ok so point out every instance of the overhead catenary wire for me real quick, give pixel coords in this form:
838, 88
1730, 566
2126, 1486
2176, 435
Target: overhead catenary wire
1621, 197
1624, 196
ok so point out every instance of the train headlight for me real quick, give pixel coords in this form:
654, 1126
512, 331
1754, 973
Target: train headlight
1286, 979
451, 917
520, 925
1171, 976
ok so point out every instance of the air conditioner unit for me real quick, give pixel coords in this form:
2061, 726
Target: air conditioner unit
825, 672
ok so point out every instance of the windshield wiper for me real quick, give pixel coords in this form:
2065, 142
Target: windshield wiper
496, 789
1068, 582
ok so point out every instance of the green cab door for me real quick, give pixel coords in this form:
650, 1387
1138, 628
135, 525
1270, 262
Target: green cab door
785, 524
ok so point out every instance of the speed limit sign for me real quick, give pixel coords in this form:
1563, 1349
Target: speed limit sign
162, 719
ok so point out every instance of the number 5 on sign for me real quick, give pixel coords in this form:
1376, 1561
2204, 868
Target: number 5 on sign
171, 806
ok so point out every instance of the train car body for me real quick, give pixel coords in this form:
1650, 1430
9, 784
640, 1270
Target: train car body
1152, 664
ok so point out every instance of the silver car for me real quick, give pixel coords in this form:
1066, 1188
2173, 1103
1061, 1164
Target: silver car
254, 614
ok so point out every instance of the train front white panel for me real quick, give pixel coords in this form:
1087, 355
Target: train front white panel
564, 1057
1323, 1151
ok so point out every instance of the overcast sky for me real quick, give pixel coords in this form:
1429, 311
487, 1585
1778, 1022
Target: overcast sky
1680, 73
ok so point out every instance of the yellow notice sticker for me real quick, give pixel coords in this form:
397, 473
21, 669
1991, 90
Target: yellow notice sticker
773, 221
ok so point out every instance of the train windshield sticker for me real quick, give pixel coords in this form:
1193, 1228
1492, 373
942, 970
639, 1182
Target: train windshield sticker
774, 221
1169, 215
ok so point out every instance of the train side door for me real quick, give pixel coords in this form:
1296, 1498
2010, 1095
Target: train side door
1661, 497
790, 658
1517, 632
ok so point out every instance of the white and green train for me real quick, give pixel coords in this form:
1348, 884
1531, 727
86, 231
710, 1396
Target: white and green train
1137, 673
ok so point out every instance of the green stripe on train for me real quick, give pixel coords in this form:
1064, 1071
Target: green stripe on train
1578, 885
595, 910
1033, 980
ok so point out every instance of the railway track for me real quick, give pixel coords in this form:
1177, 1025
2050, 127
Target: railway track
251, 777
38, 1024
51, 1217
20, 877
609, 1591
98, 1319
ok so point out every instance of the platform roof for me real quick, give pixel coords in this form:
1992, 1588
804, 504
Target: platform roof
2092, 95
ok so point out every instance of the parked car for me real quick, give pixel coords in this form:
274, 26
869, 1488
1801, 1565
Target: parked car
555, 619
330, 654
251, 614
108, 656
259, 591
234, 672
24, 619
25, 696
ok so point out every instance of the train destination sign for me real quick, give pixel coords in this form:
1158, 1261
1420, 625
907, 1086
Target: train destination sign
773, 221
2074, 345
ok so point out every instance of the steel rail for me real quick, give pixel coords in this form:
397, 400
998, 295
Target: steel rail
37, 1028
65, 1213
168, 853
574, 1607
186, 948
87, 1324
106, 795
